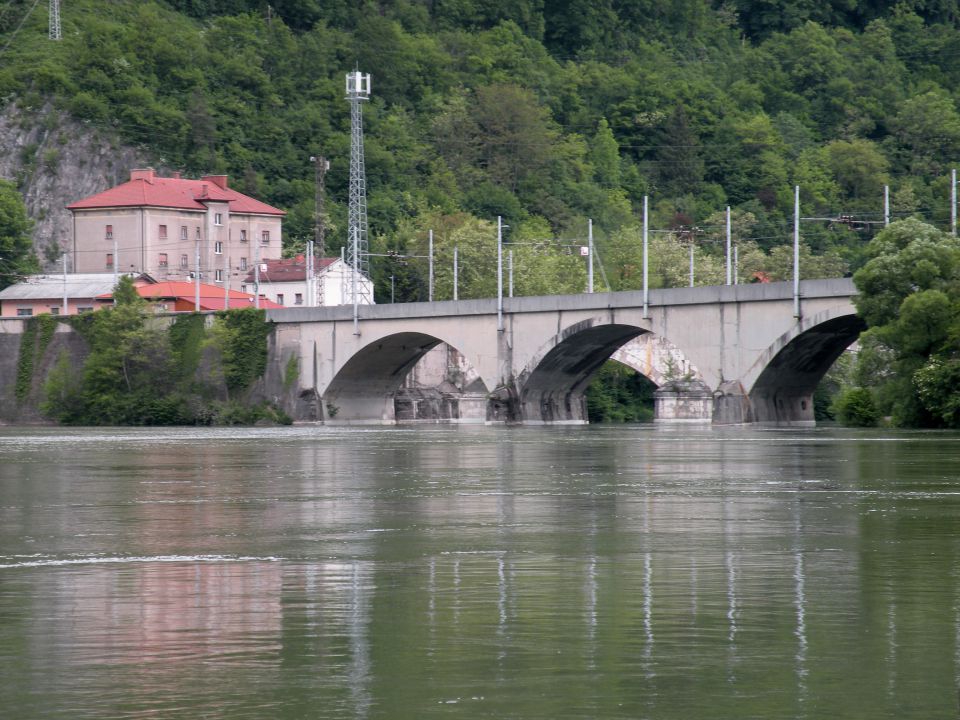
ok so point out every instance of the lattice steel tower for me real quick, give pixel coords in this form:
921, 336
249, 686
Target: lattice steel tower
54, 19
358, 246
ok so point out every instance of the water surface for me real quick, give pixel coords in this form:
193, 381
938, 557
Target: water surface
599, 572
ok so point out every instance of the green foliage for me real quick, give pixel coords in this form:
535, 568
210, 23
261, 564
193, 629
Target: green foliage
855, 406
291, 372
140, 372
910, 297
16, 252
618, 394
553, 112
37, 334
241, 336
187, 335
25, 360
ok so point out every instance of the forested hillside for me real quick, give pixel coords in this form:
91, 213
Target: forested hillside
547, 112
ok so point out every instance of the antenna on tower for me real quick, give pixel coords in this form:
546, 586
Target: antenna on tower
358, 249
54, 19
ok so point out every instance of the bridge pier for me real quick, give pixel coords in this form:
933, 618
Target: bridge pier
683, 401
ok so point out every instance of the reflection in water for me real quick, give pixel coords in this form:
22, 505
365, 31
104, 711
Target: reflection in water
801, 630
479, 572
359, 677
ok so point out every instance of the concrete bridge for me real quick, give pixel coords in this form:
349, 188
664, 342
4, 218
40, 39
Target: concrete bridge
741, 342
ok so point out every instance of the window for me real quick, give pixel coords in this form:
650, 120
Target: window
243, 236
243, 288
183, 232
184, 262
109, 260
84, 309
55, 310
218, 247
218, 218
163, 232
162, 260
218, 275
298, 299
243, 263
24, 312
109, 232
198, 234
265, 237
279, 298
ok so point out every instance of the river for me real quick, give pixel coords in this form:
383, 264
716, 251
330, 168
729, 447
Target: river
479, 572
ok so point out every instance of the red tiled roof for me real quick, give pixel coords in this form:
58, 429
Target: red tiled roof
288, 269
173, 193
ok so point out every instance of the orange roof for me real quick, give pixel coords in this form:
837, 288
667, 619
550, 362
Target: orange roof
176, 288
152, 191
211, 296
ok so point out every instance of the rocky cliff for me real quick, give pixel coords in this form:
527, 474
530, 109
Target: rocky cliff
55, 160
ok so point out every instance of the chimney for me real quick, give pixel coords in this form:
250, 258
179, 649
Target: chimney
219, 180
142, 174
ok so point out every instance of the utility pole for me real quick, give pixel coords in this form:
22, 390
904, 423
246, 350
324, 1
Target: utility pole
691, 259
226, 285
886, 205
430, 261
510, 272
499, 274
196, 274
64, 309
320, 167
728, 245
796, 251
256, 275
646, 289
54, 30
456, 273
590, 255
953, 202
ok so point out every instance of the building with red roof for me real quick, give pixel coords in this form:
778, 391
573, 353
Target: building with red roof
179, 296
173, 227
286, 281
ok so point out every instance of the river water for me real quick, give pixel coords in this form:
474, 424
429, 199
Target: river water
487, 572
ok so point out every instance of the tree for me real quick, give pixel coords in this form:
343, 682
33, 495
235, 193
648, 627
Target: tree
928, 126
16, 252
909, 295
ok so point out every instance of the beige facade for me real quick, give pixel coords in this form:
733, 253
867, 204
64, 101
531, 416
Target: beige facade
165, 241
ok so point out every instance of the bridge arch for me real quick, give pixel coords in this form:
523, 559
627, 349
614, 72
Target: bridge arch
781, 383
550, 389
363, 389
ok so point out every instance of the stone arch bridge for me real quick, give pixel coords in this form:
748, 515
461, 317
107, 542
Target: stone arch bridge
742, 342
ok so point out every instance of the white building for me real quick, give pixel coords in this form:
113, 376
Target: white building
285, 282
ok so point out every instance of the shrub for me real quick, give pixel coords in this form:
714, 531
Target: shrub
855, 407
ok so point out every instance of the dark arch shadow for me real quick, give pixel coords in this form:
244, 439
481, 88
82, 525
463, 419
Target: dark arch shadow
783, 392
363, 391
552, 389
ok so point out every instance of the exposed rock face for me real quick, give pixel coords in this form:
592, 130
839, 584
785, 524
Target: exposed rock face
56, 160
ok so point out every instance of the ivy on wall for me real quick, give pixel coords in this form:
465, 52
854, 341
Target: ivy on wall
37, 334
